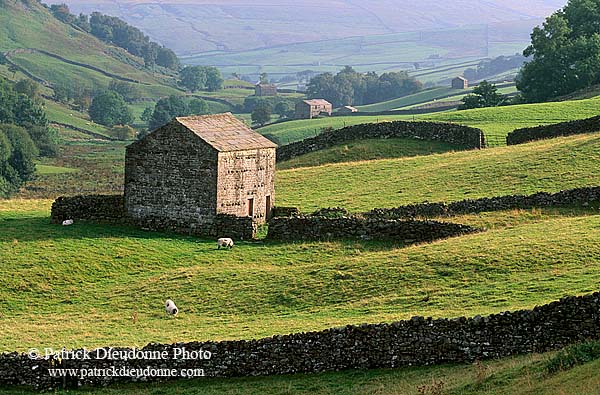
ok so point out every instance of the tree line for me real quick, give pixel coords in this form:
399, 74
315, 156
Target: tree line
24, 134
490, 67
348, 87
115, 31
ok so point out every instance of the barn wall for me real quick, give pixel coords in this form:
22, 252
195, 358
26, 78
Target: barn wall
245, 175
171, 179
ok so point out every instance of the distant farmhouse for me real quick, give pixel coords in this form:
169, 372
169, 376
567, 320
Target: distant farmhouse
347, 110
308, 109
265, 90
185, 173
460, 83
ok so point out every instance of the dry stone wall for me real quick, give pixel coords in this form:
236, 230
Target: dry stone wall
525, 135
356, 227
111, 209
415, 342
462, 136
97, 208
571, 197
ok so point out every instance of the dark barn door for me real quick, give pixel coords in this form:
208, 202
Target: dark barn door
251, 207
268, 208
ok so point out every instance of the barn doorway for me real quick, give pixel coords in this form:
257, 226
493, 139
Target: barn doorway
268, 207
251, 207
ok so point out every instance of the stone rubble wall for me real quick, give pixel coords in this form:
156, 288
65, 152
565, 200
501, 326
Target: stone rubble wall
571, 197
98, 208
582, 126
415, 342
111, 209
462, 136
356, 227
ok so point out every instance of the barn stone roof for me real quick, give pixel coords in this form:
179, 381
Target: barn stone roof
225, 133
317, 102
461, 78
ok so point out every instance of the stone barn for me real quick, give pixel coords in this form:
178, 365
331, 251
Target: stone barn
308, 109
265, 90
460, 83
186, 173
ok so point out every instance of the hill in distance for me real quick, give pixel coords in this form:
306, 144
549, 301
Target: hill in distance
190, 27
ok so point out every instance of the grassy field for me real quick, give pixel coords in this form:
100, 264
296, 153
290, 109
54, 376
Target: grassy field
364, 150
417, 98
64, 115
97, 285
525, 375
496, 122
550, 165
99, 276
92, 285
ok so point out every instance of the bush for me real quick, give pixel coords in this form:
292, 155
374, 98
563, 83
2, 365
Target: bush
123, 132
17, 154
573, 356
109, 109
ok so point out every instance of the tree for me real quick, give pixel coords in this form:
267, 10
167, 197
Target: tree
264, 78
197, 107
167, 58
214, 80
46, 139
129, 91
61, 93
83, 23
281, 108
123, 132
166, 109
20, 110
62, 13
193, 78
28, 88
261, 115
484, 95
23, 153
147, 114
349, 87
565, 53
109, 109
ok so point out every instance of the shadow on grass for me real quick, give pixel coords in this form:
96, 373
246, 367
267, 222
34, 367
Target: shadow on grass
32, 229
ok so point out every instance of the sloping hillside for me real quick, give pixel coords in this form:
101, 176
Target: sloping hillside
35, 42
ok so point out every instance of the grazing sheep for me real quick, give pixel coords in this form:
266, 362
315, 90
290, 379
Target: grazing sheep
224, 242
170, 307
67, 222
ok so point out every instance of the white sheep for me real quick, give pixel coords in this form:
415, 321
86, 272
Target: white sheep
170, 307
67, 222
225, 242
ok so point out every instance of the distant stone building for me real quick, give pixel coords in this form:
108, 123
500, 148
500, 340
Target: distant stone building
182, 175
308, 109
347, 110
265, 90
460, 83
